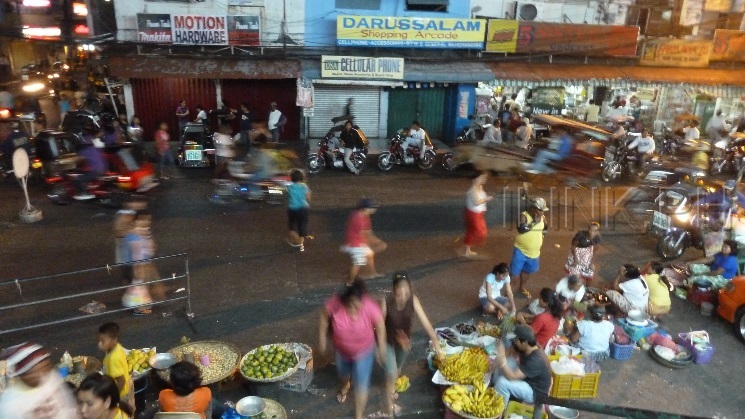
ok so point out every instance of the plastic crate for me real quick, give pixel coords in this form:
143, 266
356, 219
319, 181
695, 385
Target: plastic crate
621, 352
522, 409
300, 380
699, 356
637, 332
567, 386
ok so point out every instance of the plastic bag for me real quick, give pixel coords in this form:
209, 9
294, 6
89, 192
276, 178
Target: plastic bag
568, 366
230, 413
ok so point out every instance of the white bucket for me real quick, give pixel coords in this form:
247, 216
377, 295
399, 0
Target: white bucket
707, 308
558, 412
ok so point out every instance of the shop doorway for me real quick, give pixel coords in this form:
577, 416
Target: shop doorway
425, 105
332, 101
259, 94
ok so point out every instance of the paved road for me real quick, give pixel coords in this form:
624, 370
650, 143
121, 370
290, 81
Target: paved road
250, 288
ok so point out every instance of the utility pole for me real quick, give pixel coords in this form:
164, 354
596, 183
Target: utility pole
66, 29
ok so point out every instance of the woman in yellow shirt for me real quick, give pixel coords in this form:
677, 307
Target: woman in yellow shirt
659, 290
98, 398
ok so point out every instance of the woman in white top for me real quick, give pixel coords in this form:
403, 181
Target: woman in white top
476, 200
593, 336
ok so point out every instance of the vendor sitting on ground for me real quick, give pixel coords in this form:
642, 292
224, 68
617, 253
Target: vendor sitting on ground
571, 289
632, 293
719, 269
490, 293
545, 324
188, 394
524, 380
659, 289
592, 336
492, 132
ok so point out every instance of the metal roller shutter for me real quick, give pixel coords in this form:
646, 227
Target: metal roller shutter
330, 101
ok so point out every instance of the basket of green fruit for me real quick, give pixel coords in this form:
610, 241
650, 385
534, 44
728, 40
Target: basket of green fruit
270, 363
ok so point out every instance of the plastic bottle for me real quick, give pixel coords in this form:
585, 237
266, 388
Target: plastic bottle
67, 359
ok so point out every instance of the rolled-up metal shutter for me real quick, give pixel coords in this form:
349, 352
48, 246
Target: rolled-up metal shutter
330, 102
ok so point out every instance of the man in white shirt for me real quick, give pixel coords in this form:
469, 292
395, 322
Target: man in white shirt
691, 132
224, 150
592, 112
523, 133
633, 293
716, 127
492, 133
201, 115
644, 146
37, 391
572, 288
275, 123
417, 138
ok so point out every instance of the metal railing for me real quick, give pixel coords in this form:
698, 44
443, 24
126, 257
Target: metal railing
29, 285
588, 406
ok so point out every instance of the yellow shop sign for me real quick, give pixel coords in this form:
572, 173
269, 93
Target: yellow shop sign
410, 32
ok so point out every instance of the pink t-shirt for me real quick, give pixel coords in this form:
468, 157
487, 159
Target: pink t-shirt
161, 141
356, 224
353, 337
545, 327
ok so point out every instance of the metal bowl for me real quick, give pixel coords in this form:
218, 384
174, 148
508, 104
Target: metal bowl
162, 361
638, 316
250, 406
560, 412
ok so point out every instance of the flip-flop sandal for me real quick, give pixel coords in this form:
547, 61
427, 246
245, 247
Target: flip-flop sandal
341, 397
526, 293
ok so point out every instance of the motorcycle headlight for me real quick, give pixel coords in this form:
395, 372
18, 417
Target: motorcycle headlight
683, 217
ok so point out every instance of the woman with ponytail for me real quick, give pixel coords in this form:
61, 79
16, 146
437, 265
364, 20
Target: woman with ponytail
546, 324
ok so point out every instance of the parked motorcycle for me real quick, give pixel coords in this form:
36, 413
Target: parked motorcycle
409, 157
671, 143
105, 189
620, 161
475, 130
320, 159
728, 155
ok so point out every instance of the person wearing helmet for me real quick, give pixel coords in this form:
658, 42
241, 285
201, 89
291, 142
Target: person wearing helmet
530, 230
93, 161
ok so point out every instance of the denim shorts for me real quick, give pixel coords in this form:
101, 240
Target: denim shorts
395, 357
521, 263
359, 370
501, 300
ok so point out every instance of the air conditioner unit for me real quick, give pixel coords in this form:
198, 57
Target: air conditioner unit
510, 10
527, 11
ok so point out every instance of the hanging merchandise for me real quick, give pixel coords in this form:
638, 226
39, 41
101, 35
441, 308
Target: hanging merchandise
304, 93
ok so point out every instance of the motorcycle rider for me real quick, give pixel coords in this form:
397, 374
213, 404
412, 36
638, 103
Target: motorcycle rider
717, 128
417, 138
618, 130
263, 164
644, 146
351, 140
558, 150
93, 161
724, 199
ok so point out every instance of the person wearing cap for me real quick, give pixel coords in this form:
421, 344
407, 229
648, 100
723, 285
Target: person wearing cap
37, 392
361, 243
559, 149
523, 380
530, 230
592, 336
632, 293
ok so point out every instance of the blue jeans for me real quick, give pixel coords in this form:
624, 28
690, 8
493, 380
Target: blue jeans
359, 370
541, 159
275, 135
166, 159
512, 388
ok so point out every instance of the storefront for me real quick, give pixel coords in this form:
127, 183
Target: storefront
154, 86
330, 101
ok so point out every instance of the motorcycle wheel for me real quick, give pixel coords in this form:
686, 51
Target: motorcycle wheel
611, 172
666, 246
428, 161
59, 195
358, 161
385, 161
315, 163
448, 162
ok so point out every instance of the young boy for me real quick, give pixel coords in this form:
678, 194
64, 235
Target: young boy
115, 361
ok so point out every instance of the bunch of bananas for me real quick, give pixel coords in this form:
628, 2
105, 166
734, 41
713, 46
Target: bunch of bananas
481, 402
137, 360
402, 384
465, 367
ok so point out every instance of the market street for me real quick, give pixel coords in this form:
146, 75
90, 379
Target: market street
250, 288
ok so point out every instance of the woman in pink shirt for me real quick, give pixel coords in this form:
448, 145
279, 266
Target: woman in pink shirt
356, 321
163, 148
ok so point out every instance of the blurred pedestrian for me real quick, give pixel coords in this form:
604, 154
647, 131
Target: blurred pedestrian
141, 248
357, 327
123, 224
98, 398
137, 136
298, 202
361, 242
182, 113
36, 390
276, 122
64, 106
531, 227
163, 147
225, 150
476, 199
245, 125
399, 309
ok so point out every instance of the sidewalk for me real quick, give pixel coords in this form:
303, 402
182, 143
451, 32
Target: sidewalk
378, 145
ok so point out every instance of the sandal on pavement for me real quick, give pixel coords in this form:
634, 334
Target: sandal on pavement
341, 396
526, 293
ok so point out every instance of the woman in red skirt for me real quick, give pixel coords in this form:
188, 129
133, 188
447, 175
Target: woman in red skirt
476, 200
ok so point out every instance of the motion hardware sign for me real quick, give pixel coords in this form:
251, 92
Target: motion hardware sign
335, 66
410, 32
200, 30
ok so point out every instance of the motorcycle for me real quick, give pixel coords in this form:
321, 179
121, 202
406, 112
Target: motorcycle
620, 161
397, 155
475, 130
671, 143
728, 155
272, 190
105, 189
679, 222
320, 159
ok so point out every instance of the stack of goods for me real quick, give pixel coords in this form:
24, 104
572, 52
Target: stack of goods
138, 361
481, 402
488, 329
465, 367
216, 360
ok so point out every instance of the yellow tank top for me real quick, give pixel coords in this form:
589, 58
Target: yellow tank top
530, 243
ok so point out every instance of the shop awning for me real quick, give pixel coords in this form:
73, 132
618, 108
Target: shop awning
446, 72
716, 81
203, 68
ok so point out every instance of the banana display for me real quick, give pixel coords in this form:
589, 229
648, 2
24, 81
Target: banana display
402, 384
465, 367
137, 360
481, 402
